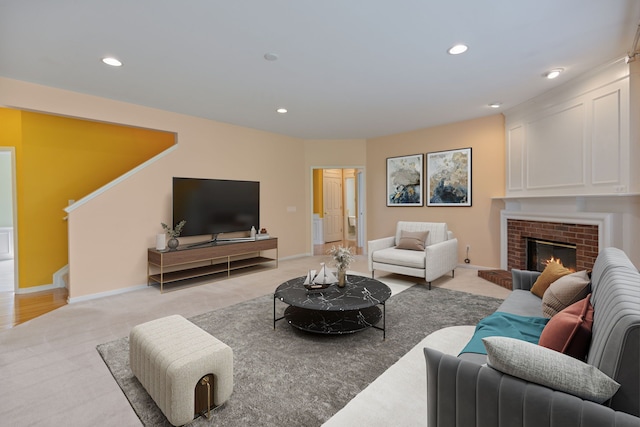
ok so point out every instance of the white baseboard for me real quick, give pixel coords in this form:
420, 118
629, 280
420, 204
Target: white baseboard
58, 277
476, 267
138, 287
58, 282
106, 294
295, 256
37, 289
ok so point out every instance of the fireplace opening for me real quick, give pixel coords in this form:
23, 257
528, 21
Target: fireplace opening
541, 252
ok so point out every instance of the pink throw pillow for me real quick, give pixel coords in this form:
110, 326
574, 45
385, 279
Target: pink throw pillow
569, 331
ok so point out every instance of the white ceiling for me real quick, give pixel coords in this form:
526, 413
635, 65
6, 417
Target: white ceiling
346, 68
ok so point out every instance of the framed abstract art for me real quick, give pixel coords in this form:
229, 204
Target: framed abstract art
405, 180
449, 178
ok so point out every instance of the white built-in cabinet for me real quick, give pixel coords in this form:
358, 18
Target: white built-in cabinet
576, 140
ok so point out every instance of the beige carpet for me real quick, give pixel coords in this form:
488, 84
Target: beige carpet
398, 397
52, 374
304, 379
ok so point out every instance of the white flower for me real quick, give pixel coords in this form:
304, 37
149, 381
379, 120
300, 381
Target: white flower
342, 257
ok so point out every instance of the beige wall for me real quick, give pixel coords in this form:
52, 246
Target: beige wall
109, 234
478, 225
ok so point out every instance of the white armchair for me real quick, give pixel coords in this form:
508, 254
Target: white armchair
440, 254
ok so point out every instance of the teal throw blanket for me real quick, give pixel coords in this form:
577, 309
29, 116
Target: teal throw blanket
500, 324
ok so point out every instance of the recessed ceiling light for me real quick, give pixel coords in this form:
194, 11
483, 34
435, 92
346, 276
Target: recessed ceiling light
458, 49
554, 73
495, 104
112, 61
281, 110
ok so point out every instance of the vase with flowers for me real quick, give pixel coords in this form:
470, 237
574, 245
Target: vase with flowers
174, 233
342, 259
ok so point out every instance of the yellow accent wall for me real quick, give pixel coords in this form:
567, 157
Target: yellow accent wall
60, 159
318, 202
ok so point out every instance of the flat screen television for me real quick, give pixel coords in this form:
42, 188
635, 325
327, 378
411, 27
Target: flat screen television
215, 206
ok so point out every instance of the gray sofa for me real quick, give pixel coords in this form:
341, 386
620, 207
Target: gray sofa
463, 392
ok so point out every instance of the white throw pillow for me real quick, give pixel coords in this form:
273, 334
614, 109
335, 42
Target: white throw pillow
549, 368
564, 292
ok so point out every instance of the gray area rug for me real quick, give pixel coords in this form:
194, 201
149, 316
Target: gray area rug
286, 377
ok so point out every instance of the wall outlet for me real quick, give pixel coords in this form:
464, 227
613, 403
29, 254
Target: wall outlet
468, 248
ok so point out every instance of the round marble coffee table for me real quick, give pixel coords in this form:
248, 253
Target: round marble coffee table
334, 310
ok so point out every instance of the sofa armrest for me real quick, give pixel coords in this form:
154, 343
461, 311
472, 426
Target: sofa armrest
376, 245
440, 258
462, 393
523, 279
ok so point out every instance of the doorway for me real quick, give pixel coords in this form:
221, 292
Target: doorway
7, 220
338, 209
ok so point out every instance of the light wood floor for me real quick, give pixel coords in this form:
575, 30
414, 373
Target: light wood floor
18, 308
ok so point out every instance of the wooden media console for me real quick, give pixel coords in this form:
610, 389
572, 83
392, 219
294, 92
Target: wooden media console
201, 261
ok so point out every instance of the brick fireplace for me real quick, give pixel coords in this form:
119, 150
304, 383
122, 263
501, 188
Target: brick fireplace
583, 236
590, 232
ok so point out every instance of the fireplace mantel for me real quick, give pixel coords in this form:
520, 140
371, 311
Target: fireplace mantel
565, 196
606, 223
575, 202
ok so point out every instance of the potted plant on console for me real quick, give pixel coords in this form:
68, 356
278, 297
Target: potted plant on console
173, 233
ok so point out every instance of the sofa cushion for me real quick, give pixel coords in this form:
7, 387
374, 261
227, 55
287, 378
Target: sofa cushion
564, 292
549, 368
403, 257
413, 240
523, 303
569, 331
552, 272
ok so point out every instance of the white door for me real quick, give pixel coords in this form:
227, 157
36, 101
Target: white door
360, 207
332, 200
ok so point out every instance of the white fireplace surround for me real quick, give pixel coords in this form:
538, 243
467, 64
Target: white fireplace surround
607, 223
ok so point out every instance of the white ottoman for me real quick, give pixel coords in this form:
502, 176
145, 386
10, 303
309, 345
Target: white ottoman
170, 355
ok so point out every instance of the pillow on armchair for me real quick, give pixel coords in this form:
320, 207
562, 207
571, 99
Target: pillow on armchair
412, 240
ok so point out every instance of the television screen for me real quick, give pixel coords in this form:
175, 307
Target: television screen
213, 206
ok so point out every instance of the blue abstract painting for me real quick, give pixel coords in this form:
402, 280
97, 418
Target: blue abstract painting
404, 180
449, 178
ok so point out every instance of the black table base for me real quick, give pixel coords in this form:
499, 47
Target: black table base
333, 322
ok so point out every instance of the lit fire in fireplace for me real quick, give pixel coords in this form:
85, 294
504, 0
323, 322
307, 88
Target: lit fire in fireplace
557, 261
